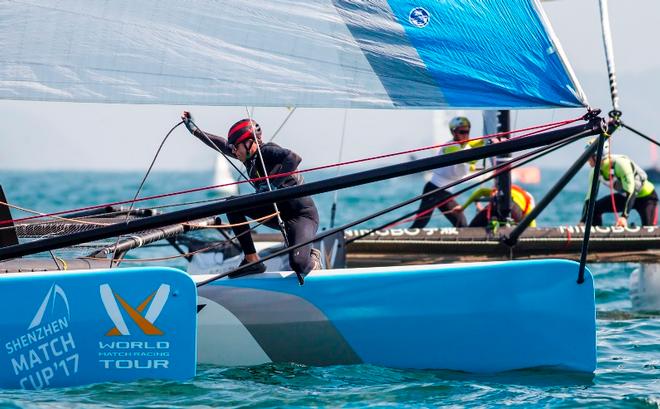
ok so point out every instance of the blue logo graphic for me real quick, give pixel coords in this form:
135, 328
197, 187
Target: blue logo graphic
73, 328
419, 17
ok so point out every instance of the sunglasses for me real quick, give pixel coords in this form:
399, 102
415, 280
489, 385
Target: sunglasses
462, 131
234, 148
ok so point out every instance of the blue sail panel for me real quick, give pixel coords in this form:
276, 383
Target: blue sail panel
509, 60
446, 54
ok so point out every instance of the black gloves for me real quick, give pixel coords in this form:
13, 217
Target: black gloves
187, 119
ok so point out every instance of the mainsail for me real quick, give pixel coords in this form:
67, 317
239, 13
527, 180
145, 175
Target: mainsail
447, 54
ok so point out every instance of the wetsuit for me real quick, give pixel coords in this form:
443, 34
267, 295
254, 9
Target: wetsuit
633, 191
443, 198
300, 217
522, 204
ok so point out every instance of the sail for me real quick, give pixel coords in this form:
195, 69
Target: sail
440, 54
222, 176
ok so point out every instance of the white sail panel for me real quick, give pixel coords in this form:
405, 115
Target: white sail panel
313, 53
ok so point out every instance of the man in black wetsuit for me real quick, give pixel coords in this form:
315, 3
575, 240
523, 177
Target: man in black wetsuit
300, 217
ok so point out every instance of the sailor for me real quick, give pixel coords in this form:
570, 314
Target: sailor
300, 217
443, 199
522, 203
632, 187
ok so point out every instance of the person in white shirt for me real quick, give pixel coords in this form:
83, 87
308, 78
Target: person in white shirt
443, 199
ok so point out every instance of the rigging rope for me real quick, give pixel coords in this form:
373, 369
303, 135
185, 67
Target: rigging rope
648, 138
611, 182
199, 226
277, 131
52, 255
223, 155
77, 220
230, 225
333, 209
498, 169
144, 179
609, 55
592, 127
536, 130
502, 169
146, 175
165, 258
614, 95
24, 209
280, 222
259, 222
381, 212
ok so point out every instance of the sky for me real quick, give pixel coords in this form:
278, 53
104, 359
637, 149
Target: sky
93, 137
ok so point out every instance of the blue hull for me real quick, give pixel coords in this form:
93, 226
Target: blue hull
70, 327
65, 328
481, 317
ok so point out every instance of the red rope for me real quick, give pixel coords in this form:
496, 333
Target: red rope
609, 171
568, 238
427, 211
538, 128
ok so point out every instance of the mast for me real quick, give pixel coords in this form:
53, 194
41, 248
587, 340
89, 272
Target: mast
496, 122
503, 199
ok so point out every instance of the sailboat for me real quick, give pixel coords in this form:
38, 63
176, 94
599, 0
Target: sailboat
124, 324
223, 178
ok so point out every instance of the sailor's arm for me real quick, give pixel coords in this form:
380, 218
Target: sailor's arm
214, 142
623, 170
476, 195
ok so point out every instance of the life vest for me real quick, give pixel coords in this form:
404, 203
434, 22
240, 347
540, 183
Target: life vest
608, 169
527, 204
519, 196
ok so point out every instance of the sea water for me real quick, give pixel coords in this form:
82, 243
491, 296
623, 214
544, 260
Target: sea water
628, 373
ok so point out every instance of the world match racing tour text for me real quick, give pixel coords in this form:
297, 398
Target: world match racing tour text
134, 355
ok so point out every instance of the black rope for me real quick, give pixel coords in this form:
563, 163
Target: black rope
512, 239
330, 232
153, 161
593, 127
215, 147
144, 179
551, 148
74, 219
280, 222
228, 240
333, 209
635, 131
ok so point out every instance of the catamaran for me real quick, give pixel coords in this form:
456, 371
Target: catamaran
76, 326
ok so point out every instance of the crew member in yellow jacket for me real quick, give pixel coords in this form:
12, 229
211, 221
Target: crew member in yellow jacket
631, 190
522, 203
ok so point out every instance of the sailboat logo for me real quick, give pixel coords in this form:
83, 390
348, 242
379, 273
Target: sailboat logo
419, 17
51, 297
153, 304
